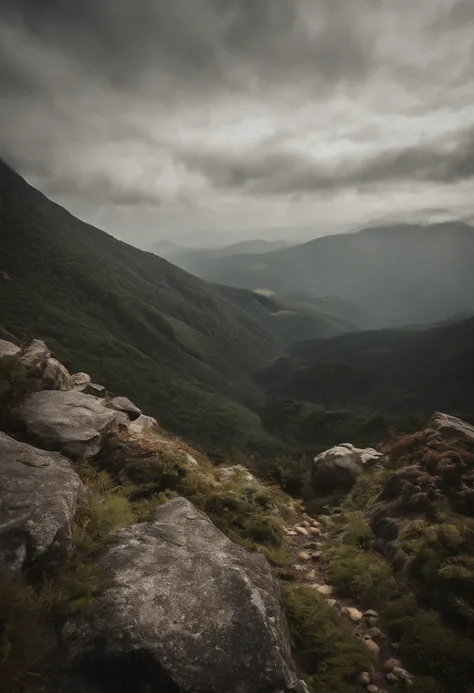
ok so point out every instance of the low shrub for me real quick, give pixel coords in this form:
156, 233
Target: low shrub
438, 651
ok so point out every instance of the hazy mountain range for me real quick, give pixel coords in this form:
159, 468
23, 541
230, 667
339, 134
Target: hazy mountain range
399, 273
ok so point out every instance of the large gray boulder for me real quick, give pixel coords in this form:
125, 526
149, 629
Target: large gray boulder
126, 406
339, 467
39, 492
71, 422
184, 609
8, 348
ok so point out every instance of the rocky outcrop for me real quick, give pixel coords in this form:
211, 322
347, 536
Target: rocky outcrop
185, 610
55, 376
70, 422
39, 492
339, 467
452, 428
8, 348
82, 383
37, 362
124, 405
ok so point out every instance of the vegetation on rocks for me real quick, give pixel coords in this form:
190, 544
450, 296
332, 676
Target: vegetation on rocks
421, 582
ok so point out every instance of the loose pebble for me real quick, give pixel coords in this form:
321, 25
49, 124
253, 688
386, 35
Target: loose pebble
304, 556
364, 678
375, 633
310, 575
372, 621
315, 531
353, 614
331, 602
373, 647
325, 590
301, 530
326, 520
311, 545
403, 675
370, 613
316, 555
391, 664
372, 688
391, 678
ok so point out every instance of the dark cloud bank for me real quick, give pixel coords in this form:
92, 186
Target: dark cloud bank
153, 117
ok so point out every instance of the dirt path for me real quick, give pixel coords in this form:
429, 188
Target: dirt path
304, 542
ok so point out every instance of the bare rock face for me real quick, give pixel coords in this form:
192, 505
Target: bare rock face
39, 492
71, 422
186, 611
8, 348
339, 467
452, 427
124, 405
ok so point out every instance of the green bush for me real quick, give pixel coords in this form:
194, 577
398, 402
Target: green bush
439, 651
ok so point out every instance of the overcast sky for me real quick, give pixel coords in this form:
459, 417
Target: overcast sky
151, 118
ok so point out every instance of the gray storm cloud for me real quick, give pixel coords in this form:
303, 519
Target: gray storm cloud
271, 172
201, 112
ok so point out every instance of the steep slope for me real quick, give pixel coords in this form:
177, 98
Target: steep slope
183, 348
387, 371
400, 273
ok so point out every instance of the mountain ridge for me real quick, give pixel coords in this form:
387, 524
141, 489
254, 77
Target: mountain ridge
404, 273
